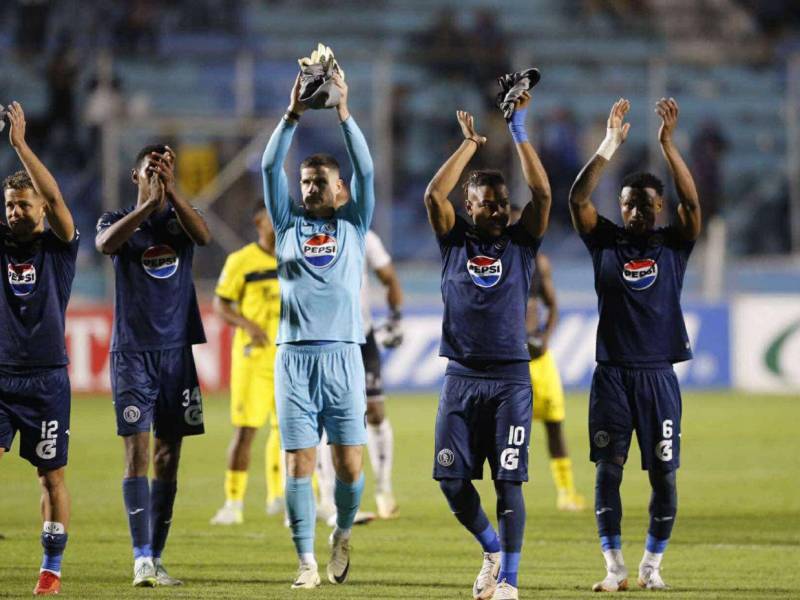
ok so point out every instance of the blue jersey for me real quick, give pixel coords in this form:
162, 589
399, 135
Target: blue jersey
320, 261
485, 284
155, 305
36, 291
638, 280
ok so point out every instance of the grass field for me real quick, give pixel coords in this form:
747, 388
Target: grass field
737, 534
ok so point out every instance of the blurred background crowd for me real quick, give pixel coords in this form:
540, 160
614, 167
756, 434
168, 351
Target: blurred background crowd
210, 77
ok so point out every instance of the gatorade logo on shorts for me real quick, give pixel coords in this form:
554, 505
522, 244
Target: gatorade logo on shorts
160, 262
640, 274
319, 250
485, 271
22, 278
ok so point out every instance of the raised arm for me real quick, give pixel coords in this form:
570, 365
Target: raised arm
276, 185
689, 213
190, 219
362, 185
441, 213
548, 295
581, 208
536, 213
58, 215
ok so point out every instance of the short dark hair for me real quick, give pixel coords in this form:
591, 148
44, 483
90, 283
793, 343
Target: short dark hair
18, 181
643, 180
258, 206
481, 177
320, 160
149, 149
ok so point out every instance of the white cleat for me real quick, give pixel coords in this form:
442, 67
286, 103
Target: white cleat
486, 581
650, 578
307, 577
615, 581
276, 507
387, 505
144, 572
362, 518
228, 515
505, 591
339, 564
162, 577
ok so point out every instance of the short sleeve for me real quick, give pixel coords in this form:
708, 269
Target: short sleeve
674, 239
231, 281
107, 219
454, 237
602, 236
376, 254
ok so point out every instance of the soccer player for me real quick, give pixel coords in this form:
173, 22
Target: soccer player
247, 297
156, 322
34, 385
639, 273
486, 402
319, 373
380, 437
548, 393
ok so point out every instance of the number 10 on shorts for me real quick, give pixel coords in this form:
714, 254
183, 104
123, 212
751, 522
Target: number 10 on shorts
509, 459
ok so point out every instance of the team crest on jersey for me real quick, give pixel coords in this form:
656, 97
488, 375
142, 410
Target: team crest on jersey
22, 278
484, 270
173, 226
160, 261
319, 250
640, 274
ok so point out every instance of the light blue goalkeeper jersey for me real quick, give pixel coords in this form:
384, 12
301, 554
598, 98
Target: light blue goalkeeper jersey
320, 261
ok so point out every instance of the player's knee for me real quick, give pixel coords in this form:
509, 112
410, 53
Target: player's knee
166, 456
665, 491
51, 480
453, 489
509, 496
608, 474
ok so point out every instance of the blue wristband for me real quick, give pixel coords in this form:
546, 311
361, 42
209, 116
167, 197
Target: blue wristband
516, 125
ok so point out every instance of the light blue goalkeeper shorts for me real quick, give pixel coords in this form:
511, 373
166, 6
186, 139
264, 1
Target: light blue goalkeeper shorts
320, 386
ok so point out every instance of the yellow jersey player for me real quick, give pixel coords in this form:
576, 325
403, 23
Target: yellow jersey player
248, 298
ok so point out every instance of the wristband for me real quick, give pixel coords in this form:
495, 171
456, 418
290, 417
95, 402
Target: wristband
608, 146
516, 125
291, 116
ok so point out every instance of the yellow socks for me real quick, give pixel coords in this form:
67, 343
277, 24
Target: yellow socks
561, 468
235, 485
274, 466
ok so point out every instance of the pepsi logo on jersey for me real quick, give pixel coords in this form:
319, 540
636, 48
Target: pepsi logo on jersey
484, 270
160, 262
640, 274
319, 250
22, 278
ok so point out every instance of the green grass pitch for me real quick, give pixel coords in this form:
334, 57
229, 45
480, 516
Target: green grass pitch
737, 534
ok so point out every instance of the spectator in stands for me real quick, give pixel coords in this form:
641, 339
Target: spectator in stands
561, 158
31, 32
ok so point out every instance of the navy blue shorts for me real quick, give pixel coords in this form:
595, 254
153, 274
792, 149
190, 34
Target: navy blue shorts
627, 399
480, 419
158, 389
36, 403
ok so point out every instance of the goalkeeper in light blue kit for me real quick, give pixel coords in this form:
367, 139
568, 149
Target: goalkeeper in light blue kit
319, 373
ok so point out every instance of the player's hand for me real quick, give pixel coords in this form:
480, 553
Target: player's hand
537, 345
163, 165
155, 193
392, 334
523, 101
340, 84
667, 109
16, 117
615, 125
295, 105
467, 123
258, 336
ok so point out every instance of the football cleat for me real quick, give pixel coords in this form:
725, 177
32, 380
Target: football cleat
49, 584
228, 515
571, 502
162, 577
486, 581
144, 572
276, 507
615, 581
339, 564
505, 591
650, 578
387, 505
307, 577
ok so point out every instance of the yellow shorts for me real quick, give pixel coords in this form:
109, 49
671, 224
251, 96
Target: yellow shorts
252, 387
548, 395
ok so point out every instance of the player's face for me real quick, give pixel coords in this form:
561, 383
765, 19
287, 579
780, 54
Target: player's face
319, 187
24, 211
264, 225
489, 208
639, 208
